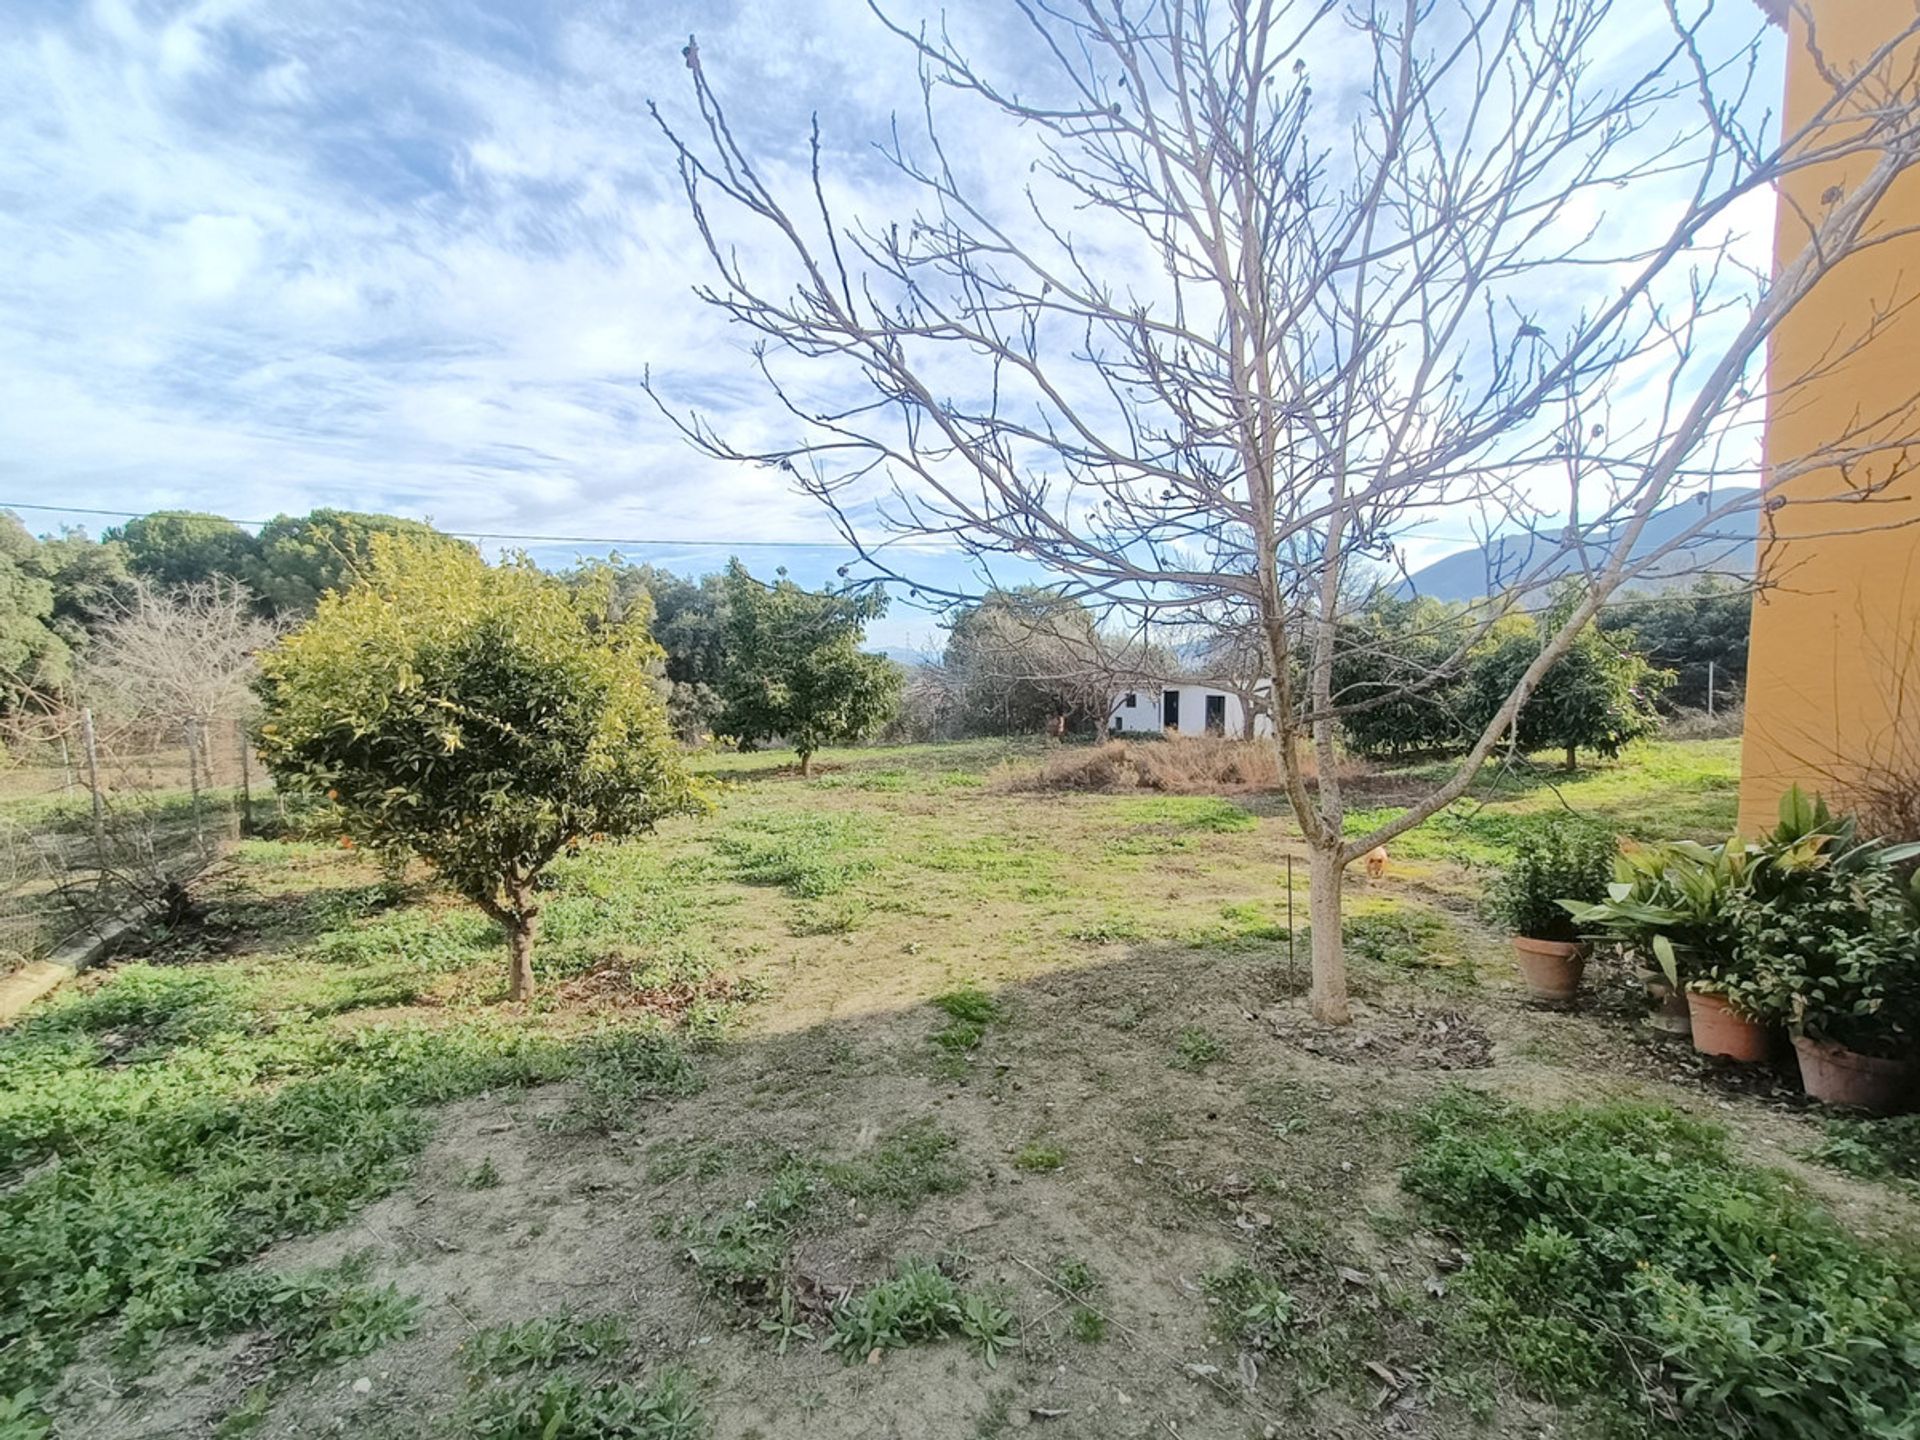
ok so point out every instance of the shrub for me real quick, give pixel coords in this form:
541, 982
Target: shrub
485, 718
1623, 1252
1562, 858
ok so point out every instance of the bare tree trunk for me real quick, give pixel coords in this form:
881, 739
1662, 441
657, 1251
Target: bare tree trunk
1573, 759
806, 763
520, 931
1326, 871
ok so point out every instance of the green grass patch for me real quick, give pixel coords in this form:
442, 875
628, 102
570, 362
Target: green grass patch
809, 856
543, 1344
1622, 1255
565, 1407
1039, 1157
1206, 813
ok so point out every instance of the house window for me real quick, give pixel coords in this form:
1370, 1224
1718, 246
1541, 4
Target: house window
1170, 710
1216, 714
1131, 700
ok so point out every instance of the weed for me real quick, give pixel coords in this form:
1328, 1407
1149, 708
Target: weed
969, 1003
1195, 1048
810, 856
919, 1304
786, 1324
1251, 1308
840, 916
622, 1069
1039, 1157
906, 1167
1087, 1325
1075, 1277
315, 1316
484, 1176
1887, 1149
542, 1344
970, 1010
565, 1408
1623, 1252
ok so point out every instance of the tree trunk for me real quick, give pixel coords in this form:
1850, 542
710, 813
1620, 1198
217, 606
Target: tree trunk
520, 927
1328, 998
806, 763
1573, 759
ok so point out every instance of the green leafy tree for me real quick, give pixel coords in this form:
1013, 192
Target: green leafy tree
1700, 634
794, 667
185, 547
1023, 658
34, 658
92, 581
297, 559
485, 718
688, 621
1599, 696
1398, 672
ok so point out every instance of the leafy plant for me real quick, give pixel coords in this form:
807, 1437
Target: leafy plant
1623, 1252
1196, 1047
1880, 1149
918, 1304
1560, 857
1669, 905
1827, 938
563, 1407
485, 718
1252, 1309
542, 1344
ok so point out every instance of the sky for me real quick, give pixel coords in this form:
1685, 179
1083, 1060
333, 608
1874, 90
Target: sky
258, 256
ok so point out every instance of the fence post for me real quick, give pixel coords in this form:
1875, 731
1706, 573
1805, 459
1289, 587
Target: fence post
92, 751
193, 781
1709, 689
246, 781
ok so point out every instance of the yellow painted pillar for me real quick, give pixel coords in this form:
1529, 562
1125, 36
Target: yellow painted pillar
1833, 686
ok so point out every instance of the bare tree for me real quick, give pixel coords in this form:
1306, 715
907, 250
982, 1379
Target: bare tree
1232, 341
179, 659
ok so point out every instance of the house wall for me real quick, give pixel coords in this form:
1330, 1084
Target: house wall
1144, 717
1833, 686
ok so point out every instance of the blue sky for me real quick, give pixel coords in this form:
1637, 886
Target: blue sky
262, 255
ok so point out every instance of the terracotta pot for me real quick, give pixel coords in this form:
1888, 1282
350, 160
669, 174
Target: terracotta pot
1551, 968
1835, 1075
1666, 1006
1717, 1030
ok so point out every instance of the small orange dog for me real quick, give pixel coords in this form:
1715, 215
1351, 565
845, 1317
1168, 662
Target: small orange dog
1376, 862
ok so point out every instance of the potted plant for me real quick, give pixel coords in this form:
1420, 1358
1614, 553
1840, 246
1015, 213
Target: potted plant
1561, 857
1666, 907
1830, 937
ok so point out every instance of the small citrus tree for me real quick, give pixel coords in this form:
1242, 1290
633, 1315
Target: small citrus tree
794, 667
482, 717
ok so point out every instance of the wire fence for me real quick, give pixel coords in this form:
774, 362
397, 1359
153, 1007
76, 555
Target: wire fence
102, 818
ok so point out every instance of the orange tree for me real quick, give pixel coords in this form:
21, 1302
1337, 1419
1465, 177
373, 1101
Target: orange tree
484, 718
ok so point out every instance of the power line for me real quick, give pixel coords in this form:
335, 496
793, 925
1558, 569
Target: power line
491, 534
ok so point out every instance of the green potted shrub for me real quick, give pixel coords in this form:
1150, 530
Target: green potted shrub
1829, 943
1562, 857
1666, 907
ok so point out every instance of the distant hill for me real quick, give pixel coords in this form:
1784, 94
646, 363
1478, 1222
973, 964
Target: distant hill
1725, 549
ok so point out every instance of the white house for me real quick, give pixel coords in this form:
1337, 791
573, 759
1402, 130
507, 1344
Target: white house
1185, 709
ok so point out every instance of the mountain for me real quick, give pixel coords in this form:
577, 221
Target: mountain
1726, 548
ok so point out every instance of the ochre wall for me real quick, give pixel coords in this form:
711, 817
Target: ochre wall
1834, 672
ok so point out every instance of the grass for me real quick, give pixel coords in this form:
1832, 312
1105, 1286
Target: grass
1038, 1157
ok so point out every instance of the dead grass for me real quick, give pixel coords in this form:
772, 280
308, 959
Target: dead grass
1196, 765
